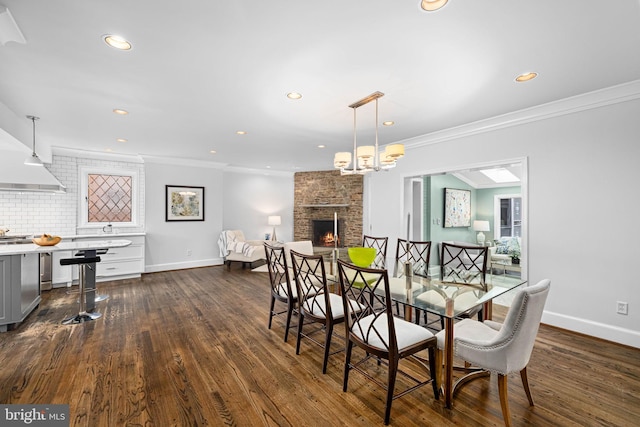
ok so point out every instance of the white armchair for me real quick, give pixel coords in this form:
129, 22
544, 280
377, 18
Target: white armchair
503, 348
234, 248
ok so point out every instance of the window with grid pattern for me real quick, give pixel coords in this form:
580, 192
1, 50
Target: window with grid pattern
110, 198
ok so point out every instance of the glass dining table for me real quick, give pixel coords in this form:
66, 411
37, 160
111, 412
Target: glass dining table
450, 300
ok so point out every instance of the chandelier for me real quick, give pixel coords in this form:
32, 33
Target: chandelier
367, 158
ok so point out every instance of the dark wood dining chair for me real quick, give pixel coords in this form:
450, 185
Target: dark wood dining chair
464, 263
380, 244
371, 326
417, 254
316, 304
281, 289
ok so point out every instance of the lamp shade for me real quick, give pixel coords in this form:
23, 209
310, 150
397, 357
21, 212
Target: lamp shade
366, 151
274, 220
395, 151
342, 159
481, 226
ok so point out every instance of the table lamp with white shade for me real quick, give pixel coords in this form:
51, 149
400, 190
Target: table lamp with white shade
481, 226
274, 220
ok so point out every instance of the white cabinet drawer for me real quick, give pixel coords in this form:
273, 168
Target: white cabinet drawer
107, 269
126, 252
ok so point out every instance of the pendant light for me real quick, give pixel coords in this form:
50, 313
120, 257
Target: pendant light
33, 160
367, 158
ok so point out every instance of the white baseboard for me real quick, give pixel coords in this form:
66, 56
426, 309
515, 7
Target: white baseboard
594, 329
183, 265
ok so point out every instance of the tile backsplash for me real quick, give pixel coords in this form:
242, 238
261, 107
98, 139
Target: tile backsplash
37, 213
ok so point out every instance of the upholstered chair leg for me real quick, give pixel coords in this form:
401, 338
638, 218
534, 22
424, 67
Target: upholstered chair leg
273, 304
327, 347
347, 360
433, 371
525, 384
299, 335
504, 400
391, 386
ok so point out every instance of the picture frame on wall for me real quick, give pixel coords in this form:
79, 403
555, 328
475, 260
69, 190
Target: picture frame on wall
457, 208
184, 203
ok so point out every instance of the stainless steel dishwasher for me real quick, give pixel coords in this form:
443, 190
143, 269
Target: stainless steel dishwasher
45, 271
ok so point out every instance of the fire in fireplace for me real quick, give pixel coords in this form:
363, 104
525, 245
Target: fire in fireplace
323, 234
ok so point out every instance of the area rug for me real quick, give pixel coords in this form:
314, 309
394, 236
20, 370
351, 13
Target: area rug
261, 269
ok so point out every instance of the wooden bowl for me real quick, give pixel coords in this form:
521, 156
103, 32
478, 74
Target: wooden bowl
46, 240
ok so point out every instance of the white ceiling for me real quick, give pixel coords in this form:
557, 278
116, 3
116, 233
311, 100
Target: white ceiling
200, 70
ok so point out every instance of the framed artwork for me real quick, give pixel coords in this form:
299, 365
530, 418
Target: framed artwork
184, 203
457, 208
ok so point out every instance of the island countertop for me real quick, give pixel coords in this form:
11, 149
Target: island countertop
30, 248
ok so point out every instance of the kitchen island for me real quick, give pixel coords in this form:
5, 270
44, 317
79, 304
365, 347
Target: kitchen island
20, 275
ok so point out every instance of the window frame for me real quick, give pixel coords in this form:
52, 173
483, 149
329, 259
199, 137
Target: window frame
83, 197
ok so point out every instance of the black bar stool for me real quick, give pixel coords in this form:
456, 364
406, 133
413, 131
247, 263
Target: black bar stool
82, 315
92, 291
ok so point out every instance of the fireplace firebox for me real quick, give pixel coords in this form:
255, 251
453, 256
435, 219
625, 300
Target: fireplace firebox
323, 233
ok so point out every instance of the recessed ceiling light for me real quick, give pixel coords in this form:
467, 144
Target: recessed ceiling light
525, 77
213, 151
121, 140
388, 123
241, 132
116, 42
120, 111
294, 95
322, 146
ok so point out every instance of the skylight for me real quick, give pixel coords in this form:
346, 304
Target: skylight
500, 175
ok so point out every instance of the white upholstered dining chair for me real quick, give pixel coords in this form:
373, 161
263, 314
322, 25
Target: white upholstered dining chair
503, 348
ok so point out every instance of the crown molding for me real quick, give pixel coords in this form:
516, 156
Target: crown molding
600, 98
96, 155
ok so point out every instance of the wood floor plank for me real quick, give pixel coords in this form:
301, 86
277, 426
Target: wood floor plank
192, 348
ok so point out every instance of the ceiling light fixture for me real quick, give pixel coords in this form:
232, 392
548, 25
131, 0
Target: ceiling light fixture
116, 42
241, 132
33, 160
120, 112
431, 5
294, 95
367, 158
388, 123
121, 140
525, 77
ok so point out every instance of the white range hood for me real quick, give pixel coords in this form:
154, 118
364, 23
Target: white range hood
16, 176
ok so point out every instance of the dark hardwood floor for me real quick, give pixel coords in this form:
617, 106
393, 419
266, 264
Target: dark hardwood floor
192, 348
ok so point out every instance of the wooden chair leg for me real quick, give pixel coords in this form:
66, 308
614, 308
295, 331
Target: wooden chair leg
347, 361
327, 346
299, 335
289, 314
439, 371
525, 384
504, 400
391, 385
433, 371
273, 304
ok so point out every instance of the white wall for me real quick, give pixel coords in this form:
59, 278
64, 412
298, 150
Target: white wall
583, 180
249, 198
182, 244
233, 200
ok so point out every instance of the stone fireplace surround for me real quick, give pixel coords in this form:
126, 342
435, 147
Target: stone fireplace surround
318, 195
